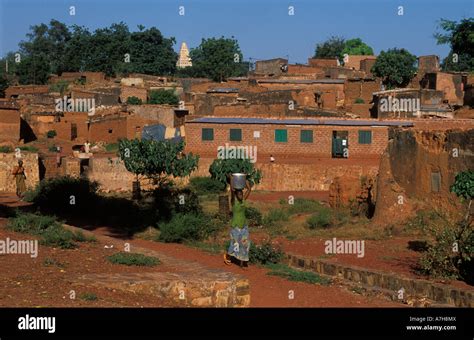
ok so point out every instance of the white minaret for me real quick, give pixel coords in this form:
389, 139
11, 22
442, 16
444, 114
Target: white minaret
184, 60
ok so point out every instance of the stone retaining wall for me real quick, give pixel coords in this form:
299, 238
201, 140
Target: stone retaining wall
443, 294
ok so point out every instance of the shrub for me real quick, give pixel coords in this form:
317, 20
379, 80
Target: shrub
321, 219
304, 205
254, 216
186, 227
133, 259
51, 134
80, 237
275, 215
206, 185
171, 201
58, 236
162, 96
57, 195
264, 253
359, 101
134, 101
6, 149
443, 260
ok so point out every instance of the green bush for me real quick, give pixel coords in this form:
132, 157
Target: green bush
359, 101
65, 195
171, 201
321, 219
254, 216
162, 96
206, 185
186, 227
264, 253
275, 215
304, 205
6, 149
133, 259
441, 260
51, 134
58, 236
134, 101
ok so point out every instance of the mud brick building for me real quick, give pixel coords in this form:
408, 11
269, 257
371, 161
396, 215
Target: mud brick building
309, 153
450, 83
318, 62
83, 77
271, 67
324, 93
16, 91
354, 61
289, 138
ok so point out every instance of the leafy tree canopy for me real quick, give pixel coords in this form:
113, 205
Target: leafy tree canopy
356, 47
218, 59
460, 37
331, 48
221, 168
395, 66
156, 160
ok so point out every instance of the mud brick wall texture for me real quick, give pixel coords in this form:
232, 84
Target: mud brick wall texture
132, 91
300, 177
9, 125
8, 161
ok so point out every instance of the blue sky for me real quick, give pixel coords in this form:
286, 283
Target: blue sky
263, 27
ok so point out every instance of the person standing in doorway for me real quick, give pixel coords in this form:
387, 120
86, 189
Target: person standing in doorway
20, 178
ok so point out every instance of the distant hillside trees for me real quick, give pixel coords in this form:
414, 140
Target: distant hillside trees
460, 37
395, 66
56, 48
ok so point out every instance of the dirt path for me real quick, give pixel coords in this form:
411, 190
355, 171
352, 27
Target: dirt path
265, 290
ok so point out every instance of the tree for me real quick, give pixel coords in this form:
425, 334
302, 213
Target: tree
3, 85
356, 47
220, 169
331, 48
217, 59
156, 161
162, 96
460, 37
151, 53
33, 70
396, 67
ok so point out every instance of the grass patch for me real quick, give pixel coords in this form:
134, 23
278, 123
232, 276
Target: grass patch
206, 185
51, 232
304, 205
265, 253
291, 274
80, 237
133, 259
6, 149
88, 297
28, 148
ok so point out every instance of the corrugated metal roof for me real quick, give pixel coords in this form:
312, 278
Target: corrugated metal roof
223, 90
339, 122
